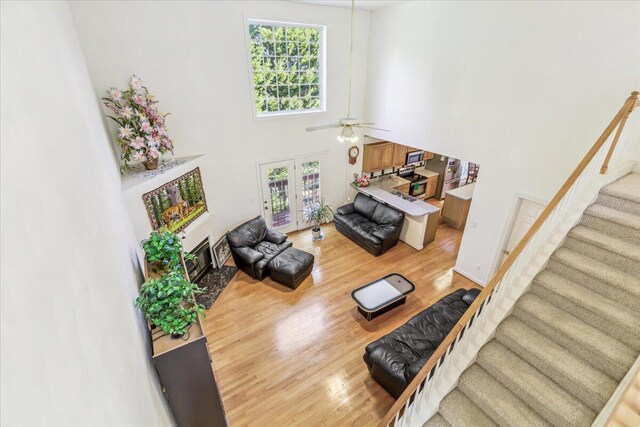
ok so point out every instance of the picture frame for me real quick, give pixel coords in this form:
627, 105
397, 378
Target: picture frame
177, 203
221, 251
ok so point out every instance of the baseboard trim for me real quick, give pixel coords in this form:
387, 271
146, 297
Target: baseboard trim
469, 276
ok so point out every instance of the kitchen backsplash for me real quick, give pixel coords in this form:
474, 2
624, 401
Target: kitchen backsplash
390, 171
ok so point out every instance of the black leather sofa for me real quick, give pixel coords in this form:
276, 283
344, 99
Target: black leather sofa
253, 245
395, 359
373, 225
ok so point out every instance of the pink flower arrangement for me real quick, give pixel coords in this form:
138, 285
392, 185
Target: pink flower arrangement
141, 133
361, 182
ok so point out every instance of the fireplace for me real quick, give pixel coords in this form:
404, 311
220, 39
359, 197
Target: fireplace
197, 268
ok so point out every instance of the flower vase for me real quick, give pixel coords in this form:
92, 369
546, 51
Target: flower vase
151, 164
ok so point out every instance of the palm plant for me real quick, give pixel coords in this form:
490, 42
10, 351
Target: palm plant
318, 214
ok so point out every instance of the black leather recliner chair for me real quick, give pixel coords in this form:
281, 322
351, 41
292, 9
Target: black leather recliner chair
395, 359
371, 224
253, 245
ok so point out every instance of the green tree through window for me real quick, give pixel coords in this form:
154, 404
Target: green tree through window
287, 69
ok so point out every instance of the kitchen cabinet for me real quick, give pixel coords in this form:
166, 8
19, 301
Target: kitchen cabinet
399, 155
372, 158
432, 185
456, 206
377, 156
428, 155
387, 155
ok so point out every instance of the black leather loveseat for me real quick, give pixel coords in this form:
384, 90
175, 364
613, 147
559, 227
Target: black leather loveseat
373, 225
395, 359
253, 245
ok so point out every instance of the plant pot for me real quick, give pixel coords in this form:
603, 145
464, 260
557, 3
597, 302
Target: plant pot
151, 164
316, 234
157, 267
176, 336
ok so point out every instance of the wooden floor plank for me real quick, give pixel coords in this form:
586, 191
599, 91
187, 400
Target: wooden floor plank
284, 357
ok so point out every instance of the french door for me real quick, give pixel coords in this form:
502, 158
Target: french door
289, 188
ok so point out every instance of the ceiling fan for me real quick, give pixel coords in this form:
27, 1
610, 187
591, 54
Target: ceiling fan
348, 124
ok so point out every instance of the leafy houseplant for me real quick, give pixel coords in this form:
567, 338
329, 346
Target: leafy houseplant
163, 251
318, 214
169, 303
141, 133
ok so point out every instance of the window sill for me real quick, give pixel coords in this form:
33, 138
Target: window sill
291, 114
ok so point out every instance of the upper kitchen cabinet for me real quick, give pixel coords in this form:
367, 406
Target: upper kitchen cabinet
399, 155
377, 156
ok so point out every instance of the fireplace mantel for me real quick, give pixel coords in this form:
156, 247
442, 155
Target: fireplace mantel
138, 175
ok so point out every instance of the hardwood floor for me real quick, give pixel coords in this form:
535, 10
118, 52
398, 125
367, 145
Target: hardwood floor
284, 357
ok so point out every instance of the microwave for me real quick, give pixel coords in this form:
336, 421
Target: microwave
414, 157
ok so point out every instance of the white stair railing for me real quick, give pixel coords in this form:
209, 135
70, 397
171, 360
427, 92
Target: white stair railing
439, 376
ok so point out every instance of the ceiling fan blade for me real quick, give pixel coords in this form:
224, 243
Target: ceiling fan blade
331, 126
366, 124
369, 127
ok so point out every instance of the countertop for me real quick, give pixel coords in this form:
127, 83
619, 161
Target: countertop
389, 183
417, 208
426, 172
462, 193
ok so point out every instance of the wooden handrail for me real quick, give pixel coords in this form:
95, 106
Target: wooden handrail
612, 147
626, 108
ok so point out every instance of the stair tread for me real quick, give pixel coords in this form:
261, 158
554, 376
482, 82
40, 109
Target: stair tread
599, 270
604, 241
627, 187
580, 338
497, 401
574, 374
543, 394
437, 421
589, 299
613, 215
458, 410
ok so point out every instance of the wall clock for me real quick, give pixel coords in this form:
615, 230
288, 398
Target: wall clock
353, 155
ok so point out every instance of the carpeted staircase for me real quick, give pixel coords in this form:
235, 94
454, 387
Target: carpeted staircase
572, 337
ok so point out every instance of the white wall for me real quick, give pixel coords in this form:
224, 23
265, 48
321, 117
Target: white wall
74, 350
193, 56
522, 88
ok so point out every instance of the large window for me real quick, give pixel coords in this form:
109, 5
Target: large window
287, 67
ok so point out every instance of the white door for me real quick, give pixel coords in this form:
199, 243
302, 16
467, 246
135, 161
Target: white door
527, 213
309, 185
279, 195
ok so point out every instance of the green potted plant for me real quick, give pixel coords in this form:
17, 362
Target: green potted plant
316, 215
163, 250
169, 303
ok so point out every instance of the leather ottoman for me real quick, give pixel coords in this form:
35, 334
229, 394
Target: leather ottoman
291, 267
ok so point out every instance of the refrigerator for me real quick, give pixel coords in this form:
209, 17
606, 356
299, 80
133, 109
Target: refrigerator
452, 173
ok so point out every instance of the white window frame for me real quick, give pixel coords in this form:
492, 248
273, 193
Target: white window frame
321, 72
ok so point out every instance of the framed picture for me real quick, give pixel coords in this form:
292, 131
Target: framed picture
221, 251
177, 203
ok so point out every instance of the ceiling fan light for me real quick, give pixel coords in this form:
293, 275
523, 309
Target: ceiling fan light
346, 134
351, 137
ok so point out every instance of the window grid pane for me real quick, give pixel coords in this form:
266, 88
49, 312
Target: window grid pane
286, 67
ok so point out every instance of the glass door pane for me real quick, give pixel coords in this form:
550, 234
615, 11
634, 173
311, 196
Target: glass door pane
309, 184
278, 187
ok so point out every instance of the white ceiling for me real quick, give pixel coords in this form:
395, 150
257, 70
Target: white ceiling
369, 5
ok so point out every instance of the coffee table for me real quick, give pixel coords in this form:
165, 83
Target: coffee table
382, 295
